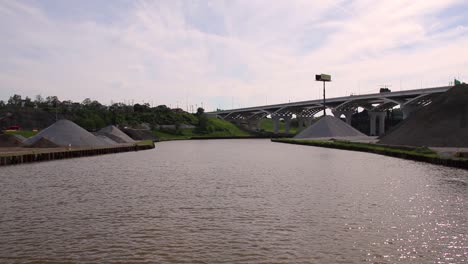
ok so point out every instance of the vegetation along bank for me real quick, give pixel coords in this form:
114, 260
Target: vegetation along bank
410, 153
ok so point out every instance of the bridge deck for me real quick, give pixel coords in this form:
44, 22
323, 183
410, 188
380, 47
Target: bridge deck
375, 98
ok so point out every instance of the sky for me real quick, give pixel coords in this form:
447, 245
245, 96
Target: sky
225, 54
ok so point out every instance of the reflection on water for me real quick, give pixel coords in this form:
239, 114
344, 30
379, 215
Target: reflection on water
234, 201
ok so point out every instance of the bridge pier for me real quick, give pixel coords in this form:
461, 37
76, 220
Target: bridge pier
303, 122
254, 124
348, 115
300, 123
308, 121
287, 123
407, 110
373, 122
276, 120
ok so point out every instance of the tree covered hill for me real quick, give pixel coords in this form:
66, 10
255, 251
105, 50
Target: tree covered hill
89, 114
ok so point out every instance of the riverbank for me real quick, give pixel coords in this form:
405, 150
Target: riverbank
189, 134
206, 137
404, 152
13, 156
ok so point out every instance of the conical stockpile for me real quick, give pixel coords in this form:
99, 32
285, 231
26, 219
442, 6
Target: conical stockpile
65, 133
116, 134
443, 123
329, 127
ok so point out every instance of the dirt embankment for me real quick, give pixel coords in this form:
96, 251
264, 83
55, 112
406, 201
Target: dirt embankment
443, 123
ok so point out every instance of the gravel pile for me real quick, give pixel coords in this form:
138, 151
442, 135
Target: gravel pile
7, 141
64, 133
105, 139
329, 127
115, 134
43, 143
140, 134
443, 123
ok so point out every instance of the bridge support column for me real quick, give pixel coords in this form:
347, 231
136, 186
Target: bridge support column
254, 124
348, 115
308, 121
287, 123
382, 116
238, 122
407, 110
276, 120
259, 121
373, 122
300, 122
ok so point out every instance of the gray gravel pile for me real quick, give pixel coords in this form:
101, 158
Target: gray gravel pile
115, 134
443, 123
329, 127
105, 139
140, 134
64, 133
43, 143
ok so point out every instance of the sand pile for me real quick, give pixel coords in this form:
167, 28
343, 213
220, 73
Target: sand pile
140, 134
116, 134
106, 140
64, 133
8, 141
43, 143
329, 127
443, 123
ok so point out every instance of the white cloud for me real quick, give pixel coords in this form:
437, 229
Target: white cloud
173, 51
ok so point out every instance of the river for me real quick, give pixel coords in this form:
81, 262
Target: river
233, 201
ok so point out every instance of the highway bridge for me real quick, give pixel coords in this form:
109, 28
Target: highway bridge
376, 105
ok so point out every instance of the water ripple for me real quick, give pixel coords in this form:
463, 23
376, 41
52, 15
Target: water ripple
233, 201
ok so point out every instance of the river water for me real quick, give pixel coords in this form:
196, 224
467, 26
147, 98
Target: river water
234, 201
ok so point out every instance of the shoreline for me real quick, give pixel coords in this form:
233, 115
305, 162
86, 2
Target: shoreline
402, 152
23, 155
224, 137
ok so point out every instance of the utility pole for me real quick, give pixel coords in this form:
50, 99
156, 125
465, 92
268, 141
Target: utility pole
323, 78
324, 107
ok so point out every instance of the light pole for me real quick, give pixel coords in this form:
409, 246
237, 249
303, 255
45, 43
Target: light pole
323, 78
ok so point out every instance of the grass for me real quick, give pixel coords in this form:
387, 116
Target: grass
24, 133
410, 153
368, 147
267, 125
163, 136
216, 128
145, 143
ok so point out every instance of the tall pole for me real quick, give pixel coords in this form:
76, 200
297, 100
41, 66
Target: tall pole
323, 78
324, 107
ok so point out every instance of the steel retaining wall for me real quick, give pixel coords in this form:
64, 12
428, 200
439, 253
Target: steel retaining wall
17, 158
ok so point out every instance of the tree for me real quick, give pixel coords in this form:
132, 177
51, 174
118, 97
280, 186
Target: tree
202, 120
28, 102
52, 101
15, 100
200, 111
39, 101
86, 102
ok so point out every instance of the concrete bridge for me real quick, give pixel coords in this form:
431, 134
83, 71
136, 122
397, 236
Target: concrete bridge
376, 105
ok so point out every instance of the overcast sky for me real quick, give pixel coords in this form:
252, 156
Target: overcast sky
227, 53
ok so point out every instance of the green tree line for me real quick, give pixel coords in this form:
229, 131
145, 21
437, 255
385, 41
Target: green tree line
93, 115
